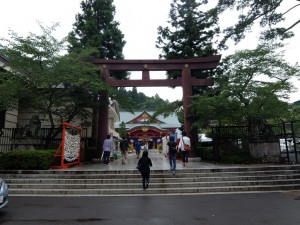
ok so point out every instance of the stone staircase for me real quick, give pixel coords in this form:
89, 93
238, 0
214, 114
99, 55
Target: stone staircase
162, 182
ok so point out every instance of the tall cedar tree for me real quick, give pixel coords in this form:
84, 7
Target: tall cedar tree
191, 34
95, 28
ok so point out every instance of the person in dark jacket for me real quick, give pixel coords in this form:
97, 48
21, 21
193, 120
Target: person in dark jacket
172, 154
144, 166
124, 148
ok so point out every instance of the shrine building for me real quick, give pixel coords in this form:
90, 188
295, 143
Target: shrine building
140, 127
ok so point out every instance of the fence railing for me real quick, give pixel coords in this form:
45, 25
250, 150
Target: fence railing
9, 138
235, 132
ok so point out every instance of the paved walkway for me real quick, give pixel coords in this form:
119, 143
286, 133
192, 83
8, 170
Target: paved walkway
159, 161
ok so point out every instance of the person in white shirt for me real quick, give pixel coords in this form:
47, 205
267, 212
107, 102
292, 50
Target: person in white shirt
184, 140
107, 148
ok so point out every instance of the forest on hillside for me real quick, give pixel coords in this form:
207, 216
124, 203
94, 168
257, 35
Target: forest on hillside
139, 101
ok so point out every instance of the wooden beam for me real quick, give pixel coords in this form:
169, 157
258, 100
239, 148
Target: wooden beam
203, 63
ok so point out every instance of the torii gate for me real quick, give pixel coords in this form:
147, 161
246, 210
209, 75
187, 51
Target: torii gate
186, 81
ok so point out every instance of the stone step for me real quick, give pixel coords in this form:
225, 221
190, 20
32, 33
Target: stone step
151, 190
154, 174
234, 169
128, 182
174, 184
166, 179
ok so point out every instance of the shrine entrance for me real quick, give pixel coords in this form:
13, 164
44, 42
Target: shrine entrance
145, 66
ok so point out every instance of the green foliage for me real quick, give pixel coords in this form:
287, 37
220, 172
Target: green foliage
130, 147
95, 28
206, 153
268, 14
10, 89
27, 160
250, 83
160, 148
122, 130
52, 84
237, 158
140, 101
190, 35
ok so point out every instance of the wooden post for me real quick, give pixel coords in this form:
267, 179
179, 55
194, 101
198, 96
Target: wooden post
102, 114
187, 93
187, 101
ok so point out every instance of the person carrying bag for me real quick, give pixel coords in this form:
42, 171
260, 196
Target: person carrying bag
185, 147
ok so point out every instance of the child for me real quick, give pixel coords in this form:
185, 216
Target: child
144, 167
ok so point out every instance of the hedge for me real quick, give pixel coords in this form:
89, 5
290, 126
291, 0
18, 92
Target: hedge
27, 160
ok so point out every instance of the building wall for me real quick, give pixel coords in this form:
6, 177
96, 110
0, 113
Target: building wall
11, 119
24, 116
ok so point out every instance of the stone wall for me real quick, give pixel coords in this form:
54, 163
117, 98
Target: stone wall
265, 152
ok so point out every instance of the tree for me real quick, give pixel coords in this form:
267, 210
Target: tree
10, 90
96, 32
268, 14
58, 87
122, 130
191, 34
250, 83
95, 28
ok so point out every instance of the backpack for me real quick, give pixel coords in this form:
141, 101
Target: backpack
123, 145
172, 147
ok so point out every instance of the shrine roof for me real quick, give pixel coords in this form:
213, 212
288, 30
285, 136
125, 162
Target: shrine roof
139, 118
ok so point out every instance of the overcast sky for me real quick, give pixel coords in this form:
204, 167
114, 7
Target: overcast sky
138, 20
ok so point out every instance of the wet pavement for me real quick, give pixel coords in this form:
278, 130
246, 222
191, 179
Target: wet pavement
211, 209
159, 161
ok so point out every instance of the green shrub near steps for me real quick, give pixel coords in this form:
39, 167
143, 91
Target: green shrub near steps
28, 159
206, 153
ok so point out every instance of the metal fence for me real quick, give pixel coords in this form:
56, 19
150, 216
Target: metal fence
9, 136
5, 140
238, 137
290, 142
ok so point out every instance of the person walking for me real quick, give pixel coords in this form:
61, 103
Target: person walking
108, 148
172, 154
144, 165
185, 146
124, 148
137, 146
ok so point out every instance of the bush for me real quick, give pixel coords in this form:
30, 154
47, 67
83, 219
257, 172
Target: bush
241, 157
237, 158
206, 153
28, 160
160, 148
